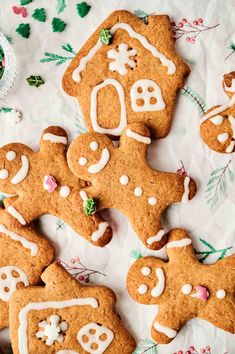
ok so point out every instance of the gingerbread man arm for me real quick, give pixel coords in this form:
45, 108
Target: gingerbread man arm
229, 84
180, 247
54, 139
135, 138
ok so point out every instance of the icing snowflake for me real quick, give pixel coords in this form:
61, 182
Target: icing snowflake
53, 330
121, 58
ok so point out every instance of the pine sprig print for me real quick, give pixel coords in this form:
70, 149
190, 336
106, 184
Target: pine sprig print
142, 15
146, 346
195, 98
217, 184
60, 6
80, 124
136, 254
57, 58
203, 255
232, 52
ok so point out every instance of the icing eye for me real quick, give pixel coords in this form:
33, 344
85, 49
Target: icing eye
222, 138
4, 174
10, 155
94, 145
217, 120
152, 201
82, 161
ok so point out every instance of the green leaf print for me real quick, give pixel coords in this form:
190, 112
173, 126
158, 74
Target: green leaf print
203, 255
146, 346
195, 99
57, 58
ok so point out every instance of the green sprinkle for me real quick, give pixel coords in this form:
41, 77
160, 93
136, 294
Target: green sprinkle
39, 15
35, 80
105, 36
83, 8
24, 30
58, 25
89, 206
25, 2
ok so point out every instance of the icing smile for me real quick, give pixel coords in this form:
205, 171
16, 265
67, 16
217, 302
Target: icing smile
96, 168
23, 171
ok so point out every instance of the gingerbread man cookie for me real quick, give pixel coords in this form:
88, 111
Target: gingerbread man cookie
218, 125
24, 253
127, 72
65, 317
43, 184
121, 178
184, 288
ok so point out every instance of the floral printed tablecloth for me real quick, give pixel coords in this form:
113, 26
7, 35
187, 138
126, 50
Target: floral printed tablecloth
205, 37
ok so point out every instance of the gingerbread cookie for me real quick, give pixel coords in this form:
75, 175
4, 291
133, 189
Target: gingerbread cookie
121, 178
127, 72
24, 253
44, 184
218, 125
184, 288
66, 317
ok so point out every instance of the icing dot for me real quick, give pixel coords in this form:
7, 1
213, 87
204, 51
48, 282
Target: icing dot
64, 191
186, 289
10, 155
124, 180
222, 138
217, 120
4, 174
138, 191
82, 161
221, 294
143, 288
152, 200
94, 145
146, 271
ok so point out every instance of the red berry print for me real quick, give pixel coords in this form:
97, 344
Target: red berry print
180, 25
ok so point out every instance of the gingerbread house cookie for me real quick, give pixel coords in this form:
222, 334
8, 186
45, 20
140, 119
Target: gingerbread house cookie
66, 317
120, 177
127, 72
44, 184
184, 288
24, 254
218, 125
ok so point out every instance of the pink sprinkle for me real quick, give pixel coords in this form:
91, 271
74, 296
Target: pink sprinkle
24, 12
19, 10
49, 183
3, 62
202, 293
16, 10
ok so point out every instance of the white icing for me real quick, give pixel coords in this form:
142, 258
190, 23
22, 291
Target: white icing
138, 137
82, 161
121, 58
23, 315
124, 180
232, 122
230, 147
144, 85
53, 330
83, 195
4, 173
143, 40
152, 201
217, 120
186, 289
231, 88
220, 294
64, 191
159, 288
170, 333
8, 282
100, 165
146, 271
218, 110
142, 289
10, 155
93, 112
222, 138
100, 232
66, 351
138, 191
23, 171
156, 237
32, 246
55, 138
180, 243
185, 197
94, 145
11, 210
102, 345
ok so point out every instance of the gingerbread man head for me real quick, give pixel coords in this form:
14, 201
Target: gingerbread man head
184, 288
218, 125
121, 178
